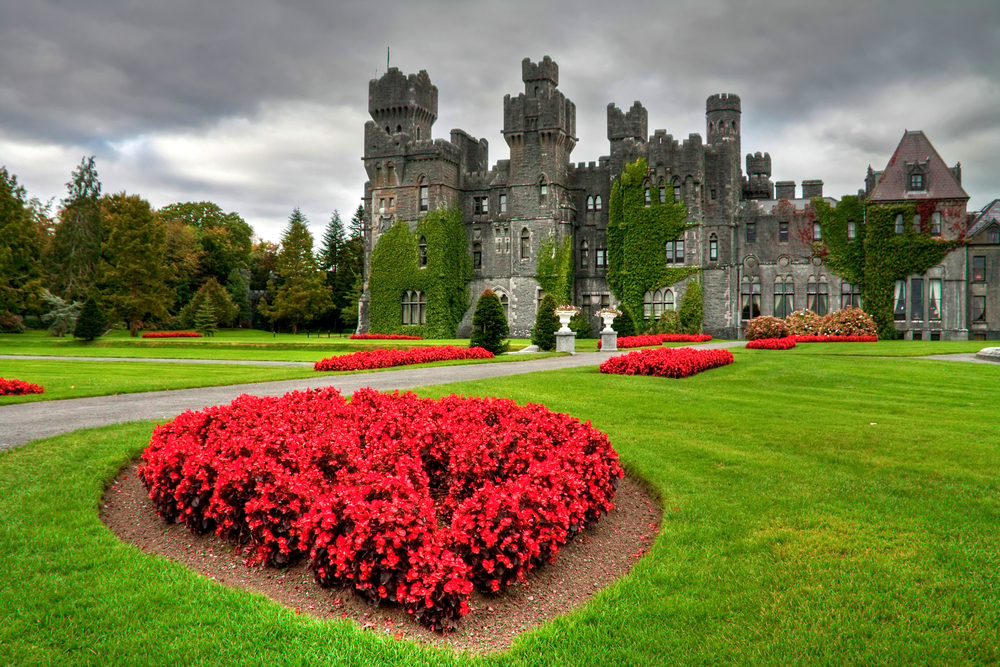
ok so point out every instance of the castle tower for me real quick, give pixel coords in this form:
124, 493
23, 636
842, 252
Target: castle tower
722, 115
400, 103
627, 132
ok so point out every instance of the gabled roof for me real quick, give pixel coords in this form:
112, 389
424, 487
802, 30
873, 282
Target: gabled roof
990, 214
915, 147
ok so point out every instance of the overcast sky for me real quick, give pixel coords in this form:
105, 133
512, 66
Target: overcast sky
259, 105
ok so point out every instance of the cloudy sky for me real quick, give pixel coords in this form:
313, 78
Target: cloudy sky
259, 105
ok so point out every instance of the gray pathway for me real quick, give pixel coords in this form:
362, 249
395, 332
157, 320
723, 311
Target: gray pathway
229, 362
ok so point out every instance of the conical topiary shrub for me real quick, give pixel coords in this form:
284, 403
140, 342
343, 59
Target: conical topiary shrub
489, 324
624, 325
546, 324
91, 323
205, 321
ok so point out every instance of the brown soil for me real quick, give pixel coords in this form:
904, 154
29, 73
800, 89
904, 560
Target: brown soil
595, 559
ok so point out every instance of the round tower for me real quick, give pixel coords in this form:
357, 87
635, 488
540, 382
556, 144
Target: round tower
400, 103
722, 115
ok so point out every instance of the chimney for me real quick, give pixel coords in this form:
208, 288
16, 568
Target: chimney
784, 190
812, 189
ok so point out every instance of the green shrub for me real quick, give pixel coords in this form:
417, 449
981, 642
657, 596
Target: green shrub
11, 323
489, 324
91, 323
205, 321
580, 323
669, 323
624, 324
223, 307
543, 334
691, 310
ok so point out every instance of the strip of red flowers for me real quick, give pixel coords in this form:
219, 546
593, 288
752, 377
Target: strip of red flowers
647, 340
374, 336
836, 339
786, 343
19, 388
407, 500
369, 359
171, 334
672, 362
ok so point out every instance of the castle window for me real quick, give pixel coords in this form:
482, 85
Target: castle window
817, 232
418, 134
677, 190
584, 254
423, 251
392, 203
750, 298
653, 303
674, 252
505, 302
668, 300
751, 232
713, 248
390, 172
399, 128
481, 205
597, 203
647, 199
935, 224
979, 269
414, 307
424, 200
783, 232
378, 175
850, 295
917, 299
503, 203
817, 295
899, 223
979, 309
381, 204
852, 231
601, 258
663, 194
784, 297
525, 244
543, 190
387, 130
590, 203
994, 235
477, 255
899, 301
916, 181
934, 299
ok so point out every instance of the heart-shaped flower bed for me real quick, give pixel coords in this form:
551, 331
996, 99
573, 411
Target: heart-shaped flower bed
409, 500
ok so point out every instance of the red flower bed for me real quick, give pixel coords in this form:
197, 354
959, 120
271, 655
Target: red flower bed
19, 388
671, 362
836, 339
369, 359
625, 342
371, 336
786, 343
172, 334
409, 500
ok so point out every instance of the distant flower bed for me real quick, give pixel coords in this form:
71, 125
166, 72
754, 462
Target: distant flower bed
371, 336
786, 343
671, 362
625, 342
19, 388
406, 500
172, 334
369, 359
836, 339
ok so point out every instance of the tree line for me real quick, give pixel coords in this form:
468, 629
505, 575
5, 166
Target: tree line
185, 265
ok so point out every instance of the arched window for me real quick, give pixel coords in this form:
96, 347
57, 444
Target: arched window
390, 173
647, 199
399, 128
423, 252
387, 130
597, 203
543, 190
713, 248
424, 190
899, 223
750, 298
378, 174
784, 297
590, 203
677, 190
668, 300
818, 295
663, 192
525, 243
414, 307
647, 305
477, 255
418, 134
505, 302
584, 254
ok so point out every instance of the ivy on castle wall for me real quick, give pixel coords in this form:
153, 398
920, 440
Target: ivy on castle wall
395, 268
877, 257
637, 237
555, 269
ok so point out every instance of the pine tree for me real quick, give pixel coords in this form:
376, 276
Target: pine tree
20, 250
223, 306
205, 320
546, 323
75, 255
91, 323
302, 295
63, 316
489, 324
333, 240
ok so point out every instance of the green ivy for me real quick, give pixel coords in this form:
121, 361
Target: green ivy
395, 268
877, 257
555, 269
637, 235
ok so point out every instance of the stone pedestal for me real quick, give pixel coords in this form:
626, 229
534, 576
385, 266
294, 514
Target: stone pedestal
989, 354
566, 342
609, 341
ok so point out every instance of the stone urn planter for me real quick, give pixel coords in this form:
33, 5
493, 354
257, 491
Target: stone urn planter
566, 337
609, 337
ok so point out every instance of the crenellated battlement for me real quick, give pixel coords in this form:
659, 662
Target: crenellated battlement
759, 164
723, 102
631, 124
546, 70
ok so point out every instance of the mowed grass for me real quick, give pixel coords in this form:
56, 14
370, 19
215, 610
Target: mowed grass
818, 511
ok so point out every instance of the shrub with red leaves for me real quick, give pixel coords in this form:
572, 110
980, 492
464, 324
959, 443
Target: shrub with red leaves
408, 500
836, 339
369, 359
786, 343
765, 326
374, 336
647, 340
19, 388
671, 362
171, 334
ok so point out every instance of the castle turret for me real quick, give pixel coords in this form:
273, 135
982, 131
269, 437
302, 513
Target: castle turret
722, 114
627, 132
400, 103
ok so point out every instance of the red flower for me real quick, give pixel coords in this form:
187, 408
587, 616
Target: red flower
369, 359
786, 343
647, 340
19, 388
171, 334
374, 336
673, 362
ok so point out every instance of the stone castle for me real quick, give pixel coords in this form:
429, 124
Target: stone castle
753, 239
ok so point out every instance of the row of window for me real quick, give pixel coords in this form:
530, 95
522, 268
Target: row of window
916, 312
817, 296
600, 256
662, 189
852, 229
935, 227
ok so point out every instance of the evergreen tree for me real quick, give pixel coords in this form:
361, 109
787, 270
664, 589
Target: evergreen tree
302, 295
91, 323
224, 309
63, 316
624, 324
349, 276
20, 250
333, 240
580, 323
691, 311
76, 246
543, 334
489, 324
358, 223
205, 319
132, 274
238, 286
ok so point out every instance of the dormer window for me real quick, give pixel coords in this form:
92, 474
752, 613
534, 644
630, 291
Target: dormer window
917, 181
994, 235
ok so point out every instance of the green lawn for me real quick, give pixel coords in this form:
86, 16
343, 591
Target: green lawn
820, 510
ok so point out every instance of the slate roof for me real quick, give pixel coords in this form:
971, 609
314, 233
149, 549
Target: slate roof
915, 147
989, 214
